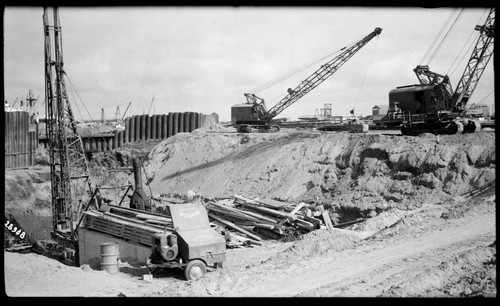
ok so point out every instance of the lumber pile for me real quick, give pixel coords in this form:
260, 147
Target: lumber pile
251, 220
128, 224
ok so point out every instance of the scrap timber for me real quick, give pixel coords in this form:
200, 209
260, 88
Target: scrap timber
254, 219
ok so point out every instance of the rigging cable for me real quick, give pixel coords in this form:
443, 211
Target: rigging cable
301, 68
467, 42
366, 73
76, 92
423, 60
487, 97
446, 35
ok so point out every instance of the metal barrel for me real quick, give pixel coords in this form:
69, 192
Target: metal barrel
187, 115
170, 125
147, 132
180, 123
175, 123
137, 120
153, 126
110, 254
127, 130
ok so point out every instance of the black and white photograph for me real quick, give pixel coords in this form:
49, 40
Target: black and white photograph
228, 151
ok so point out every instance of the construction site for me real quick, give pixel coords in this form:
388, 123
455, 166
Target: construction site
182, 204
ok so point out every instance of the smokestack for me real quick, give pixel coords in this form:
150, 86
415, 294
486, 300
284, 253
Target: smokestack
139, 200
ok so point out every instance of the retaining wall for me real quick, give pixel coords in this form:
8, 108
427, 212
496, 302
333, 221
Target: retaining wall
21, 139
145, 127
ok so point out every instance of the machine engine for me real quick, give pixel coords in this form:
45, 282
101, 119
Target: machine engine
164, 248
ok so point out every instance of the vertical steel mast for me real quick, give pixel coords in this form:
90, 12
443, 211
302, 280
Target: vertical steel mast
70, 175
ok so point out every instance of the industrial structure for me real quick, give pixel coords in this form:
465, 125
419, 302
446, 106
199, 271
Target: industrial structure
71, 183
433, 106
254, 114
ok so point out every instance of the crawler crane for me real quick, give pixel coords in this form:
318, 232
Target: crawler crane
254, 115
433, 106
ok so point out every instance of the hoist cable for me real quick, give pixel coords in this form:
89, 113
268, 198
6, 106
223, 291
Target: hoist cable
76, 92
366, 73
301, 68
468, 42
446, 36
487, 97
423, 60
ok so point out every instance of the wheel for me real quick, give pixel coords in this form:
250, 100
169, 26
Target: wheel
459, 127
195, 269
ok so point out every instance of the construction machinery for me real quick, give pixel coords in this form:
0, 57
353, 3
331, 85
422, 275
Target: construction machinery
193, 245
433, 106
254, 115
71, 185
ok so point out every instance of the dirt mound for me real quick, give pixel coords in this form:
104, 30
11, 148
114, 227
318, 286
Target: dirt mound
366, 171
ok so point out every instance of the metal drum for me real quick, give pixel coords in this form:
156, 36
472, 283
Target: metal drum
109, 257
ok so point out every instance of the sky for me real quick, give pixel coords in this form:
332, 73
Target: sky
203, 59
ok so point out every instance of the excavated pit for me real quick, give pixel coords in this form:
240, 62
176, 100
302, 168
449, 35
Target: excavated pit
353, 175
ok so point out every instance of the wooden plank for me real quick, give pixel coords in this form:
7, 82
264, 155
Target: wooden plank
270, 211
151, 217
258, 216
130, 221
328, 221
244, 239
296, 209
273, 203
239, 229
230, 212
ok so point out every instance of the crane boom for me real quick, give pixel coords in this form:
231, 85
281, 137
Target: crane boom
316, 78
477, 63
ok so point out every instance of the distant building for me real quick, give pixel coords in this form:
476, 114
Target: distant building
479, 110
379, 111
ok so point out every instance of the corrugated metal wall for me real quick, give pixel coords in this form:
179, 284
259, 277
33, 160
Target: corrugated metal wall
20, 141
144, 127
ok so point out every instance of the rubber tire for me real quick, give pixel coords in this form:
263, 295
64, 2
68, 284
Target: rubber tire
195, 269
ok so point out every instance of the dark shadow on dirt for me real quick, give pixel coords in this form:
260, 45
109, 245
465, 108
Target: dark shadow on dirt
255, 149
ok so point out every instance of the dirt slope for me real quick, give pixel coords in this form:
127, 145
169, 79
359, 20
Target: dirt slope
367, 171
